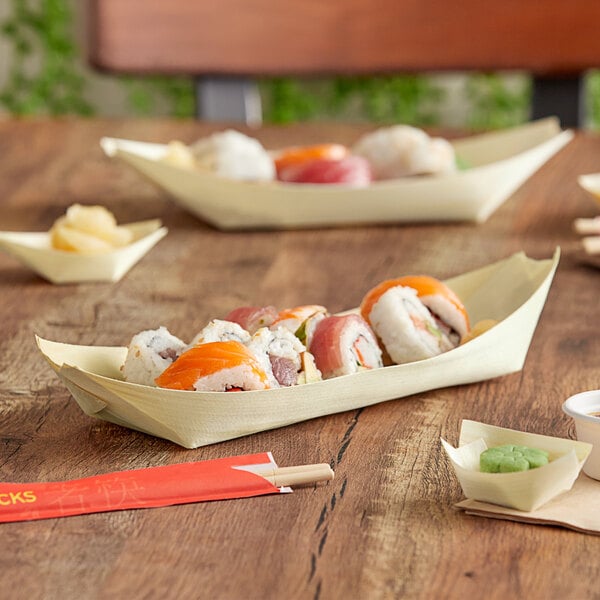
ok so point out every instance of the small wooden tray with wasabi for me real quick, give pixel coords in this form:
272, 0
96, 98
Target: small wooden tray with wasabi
526, 477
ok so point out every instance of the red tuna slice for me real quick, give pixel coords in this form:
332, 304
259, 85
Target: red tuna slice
252, 318
284, 370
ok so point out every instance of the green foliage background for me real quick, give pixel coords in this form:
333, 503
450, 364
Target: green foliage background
47, 76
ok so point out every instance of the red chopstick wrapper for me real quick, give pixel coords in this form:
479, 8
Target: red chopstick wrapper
223, 478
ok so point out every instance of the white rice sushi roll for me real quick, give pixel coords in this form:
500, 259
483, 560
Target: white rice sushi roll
402, 150
234, 155
343, 345
221, 331
301, 320
149, 354
406, 327
280, 353
415, 317
215, 367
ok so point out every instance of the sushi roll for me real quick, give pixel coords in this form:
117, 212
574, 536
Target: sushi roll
234, 155
301, 320
252, 318
402, 150
221, 331
343, 345
415, 317
149, 354
281, 354
215, 367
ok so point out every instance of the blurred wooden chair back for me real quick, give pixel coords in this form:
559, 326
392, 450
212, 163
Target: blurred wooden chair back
227, 43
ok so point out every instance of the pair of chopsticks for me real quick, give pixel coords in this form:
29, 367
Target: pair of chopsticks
298, 475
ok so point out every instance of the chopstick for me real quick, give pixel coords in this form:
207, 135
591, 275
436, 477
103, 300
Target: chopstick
587, 226
591, 229
591, 244
298, 475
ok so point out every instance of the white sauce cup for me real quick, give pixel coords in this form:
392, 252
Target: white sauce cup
581, 408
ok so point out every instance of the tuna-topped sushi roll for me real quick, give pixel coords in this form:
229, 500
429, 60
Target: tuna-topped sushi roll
283, 357
415, 317
301, 320
252, 318
149, 354
344, 344
221, 331
215, 367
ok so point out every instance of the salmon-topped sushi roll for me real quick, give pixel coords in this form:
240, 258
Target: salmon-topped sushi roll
416, 317
252, 318
344, 344
215, 367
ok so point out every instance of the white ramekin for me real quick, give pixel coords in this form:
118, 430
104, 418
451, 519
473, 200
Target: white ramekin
587, 427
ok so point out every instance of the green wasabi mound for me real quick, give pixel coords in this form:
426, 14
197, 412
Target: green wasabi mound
510, 458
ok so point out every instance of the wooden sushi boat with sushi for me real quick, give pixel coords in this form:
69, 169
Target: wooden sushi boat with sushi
93, 374
498, 163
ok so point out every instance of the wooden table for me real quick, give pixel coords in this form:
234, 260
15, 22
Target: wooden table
386, 526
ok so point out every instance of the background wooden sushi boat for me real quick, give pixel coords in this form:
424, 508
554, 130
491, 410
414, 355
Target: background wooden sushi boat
512, 291
499, 162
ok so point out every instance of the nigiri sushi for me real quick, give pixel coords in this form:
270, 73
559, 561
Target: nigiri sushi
402, 150
322, 163
215, 367
252, 318
344, 344
234, 155
415, 317
149, 353
299, 155
351, 170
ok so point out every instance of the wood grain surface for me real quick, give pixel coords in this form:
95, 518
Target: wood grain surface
386, 526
